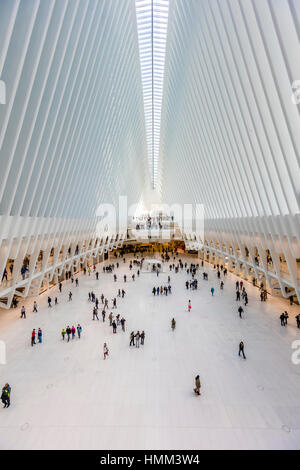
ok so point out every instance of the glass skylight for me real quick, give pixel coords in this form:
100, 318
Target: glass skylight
152, 24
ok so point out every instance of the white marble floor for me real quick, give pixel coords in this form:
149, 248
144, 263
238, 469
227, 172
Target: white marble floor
65, 396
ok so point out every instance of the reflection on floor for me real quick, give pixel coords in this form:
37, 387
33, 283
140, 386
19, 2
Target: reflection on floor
66, 396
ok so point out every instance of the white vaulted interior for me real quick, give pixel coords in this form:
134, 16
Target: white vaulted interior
173, 100
160, 129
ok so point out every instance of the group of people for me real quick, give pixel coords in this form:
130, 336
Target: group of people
162, 290
263, 294
39, 336
71, 332
49, 301
284, 318
241, 292
115, 322
138, 337
192, 284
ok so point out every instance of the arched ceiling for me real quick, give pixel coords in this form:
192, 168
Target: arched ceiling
230, 129
73, 131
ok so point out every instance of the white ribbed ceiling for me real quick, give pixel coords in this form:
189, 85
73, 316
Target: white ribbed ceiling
152, 22
72, 131
230, 134
75, 131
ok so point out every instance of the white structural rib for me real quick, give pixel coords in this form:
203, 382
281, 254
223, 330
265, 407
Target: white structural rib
230, 131
72, 134
152, 23
197, 92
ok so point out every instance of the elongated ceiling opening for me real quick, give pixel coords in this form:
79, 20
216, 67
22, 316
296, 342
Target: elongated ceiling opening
152, 24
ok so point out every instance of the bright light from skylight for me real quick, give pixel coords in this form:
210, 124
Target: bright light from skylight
152, 23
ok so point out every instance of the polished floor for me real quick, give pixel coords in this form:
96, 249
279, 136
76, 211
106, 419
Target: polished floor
65, 396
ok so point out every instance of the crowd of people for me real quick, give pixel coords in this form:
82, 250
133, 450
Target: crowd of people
70, 332
117, 320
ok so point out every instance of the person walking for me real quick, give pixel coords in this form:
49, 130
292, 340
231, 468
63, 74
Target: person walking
95, 313
40, 335
70, 296
189, 306
137, 339
114, 327
212, 290
197, 385
131, 339
68, 331
73, 332
23, 312
49, 302
79, 330
142, 338
35, 309
123, 323
240, 310
33, 337
241, 349
63, 333
105, 351
173, 324
5, 395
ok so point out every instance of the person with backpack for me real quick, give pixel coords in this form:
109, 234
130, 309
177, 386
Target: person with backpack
73, 332
5, 395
